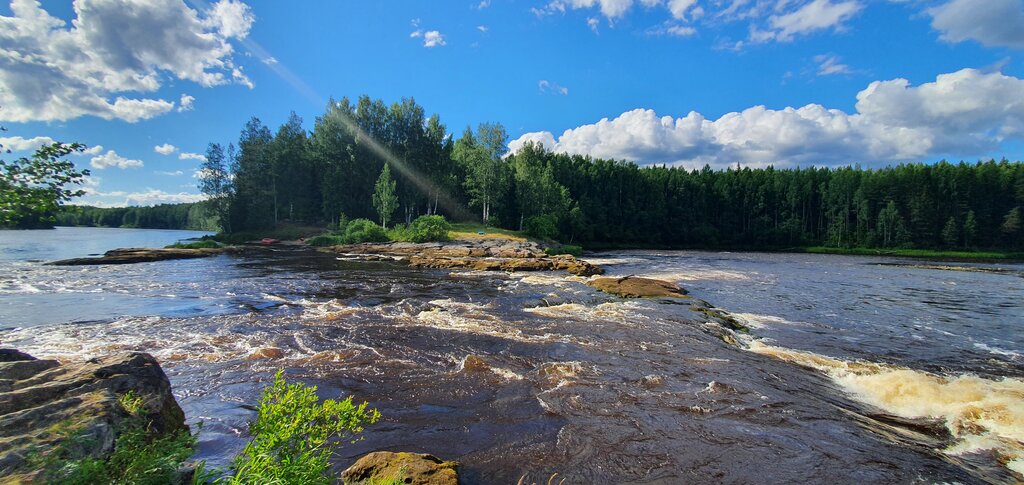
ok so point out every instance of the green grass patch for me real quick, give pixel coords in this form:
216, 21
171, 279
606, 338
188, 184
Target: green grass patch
283, 232
137, 458
325, 240
207, 244
565, 249
917, 253
472, 230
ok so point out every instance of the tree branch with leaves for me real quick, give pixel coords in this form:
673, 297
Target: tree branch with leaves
33, 188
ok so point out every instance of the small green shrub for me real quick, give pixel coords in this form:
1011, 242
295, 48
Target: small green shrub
364, 230
565, 249
542, 227
339, 227
429, 228
325, 240
295, 434
400, 233
195, 245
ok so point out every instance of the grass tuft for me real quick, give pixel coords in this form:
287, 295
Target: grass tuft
207, 244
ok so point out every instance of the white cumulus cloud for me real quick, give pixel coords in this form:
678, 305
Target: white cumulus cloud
165, 149
186, 103
191, 156
17, 144
992, 22
965, 113
811, 17
51, 70
433, 38
112, 159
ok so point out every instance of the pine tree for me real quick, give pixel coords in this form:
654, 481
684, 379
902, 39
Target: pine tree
385, 198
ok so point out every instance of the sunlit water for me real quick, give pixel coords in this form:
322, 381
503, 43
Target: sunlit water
842, 358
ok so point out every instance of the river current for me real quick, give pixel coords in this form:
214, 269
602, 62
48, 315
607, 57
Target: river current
853, 370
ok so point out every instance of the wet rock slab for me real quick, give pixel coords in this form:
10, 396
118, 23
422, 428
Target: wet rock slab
142, 255
480, 255
42, 400
637, 287
411, 468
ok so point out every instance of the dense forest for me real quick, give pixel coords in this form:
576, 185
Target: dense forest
318, 176
164, 216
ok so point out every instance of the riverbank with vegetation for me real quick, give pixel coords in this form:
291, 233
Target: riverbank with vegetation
927, 254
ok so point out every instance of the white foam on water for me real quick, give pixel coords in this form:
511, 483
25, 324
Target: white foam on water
982, 414
474, 318
996, 350
699, 275
544, 279
611, 261
625, 311
329, 310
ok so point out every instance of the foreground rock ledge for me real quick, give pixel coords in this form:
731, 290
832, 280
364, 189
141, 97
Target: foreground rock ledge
413, 468
637, 287
42, 400
143, 255
477, 254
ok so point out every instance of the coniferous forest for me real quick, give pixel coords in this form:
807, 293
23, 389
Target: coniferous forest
162, 216
315, 177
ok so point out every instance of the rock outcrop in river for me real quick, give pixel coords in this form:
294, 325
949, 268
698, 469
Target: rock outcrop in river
637, 287
477, 254
411, 468
41, 401
142, 255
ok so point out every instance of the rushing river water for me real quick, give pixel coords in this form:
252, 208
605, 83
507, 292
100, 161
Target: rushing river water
852, 371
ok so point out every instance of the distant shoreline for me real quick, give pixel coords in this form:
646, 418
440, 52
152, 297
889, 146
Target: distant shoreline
921, 254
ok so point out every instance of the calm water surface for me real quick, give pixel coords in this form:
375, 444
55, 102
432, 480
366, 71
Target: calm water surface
851, 372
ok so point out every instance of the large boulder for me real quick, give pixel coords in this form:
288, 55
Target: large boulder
43, 401
411, 468
636, 287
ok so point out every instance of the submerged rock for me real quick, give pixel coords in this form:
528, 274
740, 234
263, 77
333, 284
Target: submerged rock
636, 287
42, 401
411, 468
142, 255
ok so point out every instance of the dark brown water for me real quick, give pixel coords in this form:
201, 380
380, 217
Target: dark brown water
825, 388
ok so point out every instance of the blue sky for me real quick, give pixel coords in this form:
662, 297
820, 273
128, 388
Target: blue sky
674, 81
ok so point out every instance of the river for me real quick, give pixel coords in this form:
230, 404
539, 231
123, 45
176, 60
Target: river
854, 370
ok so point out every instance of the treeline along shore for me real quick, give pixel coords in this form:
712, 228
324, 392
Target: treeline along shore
329, 173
